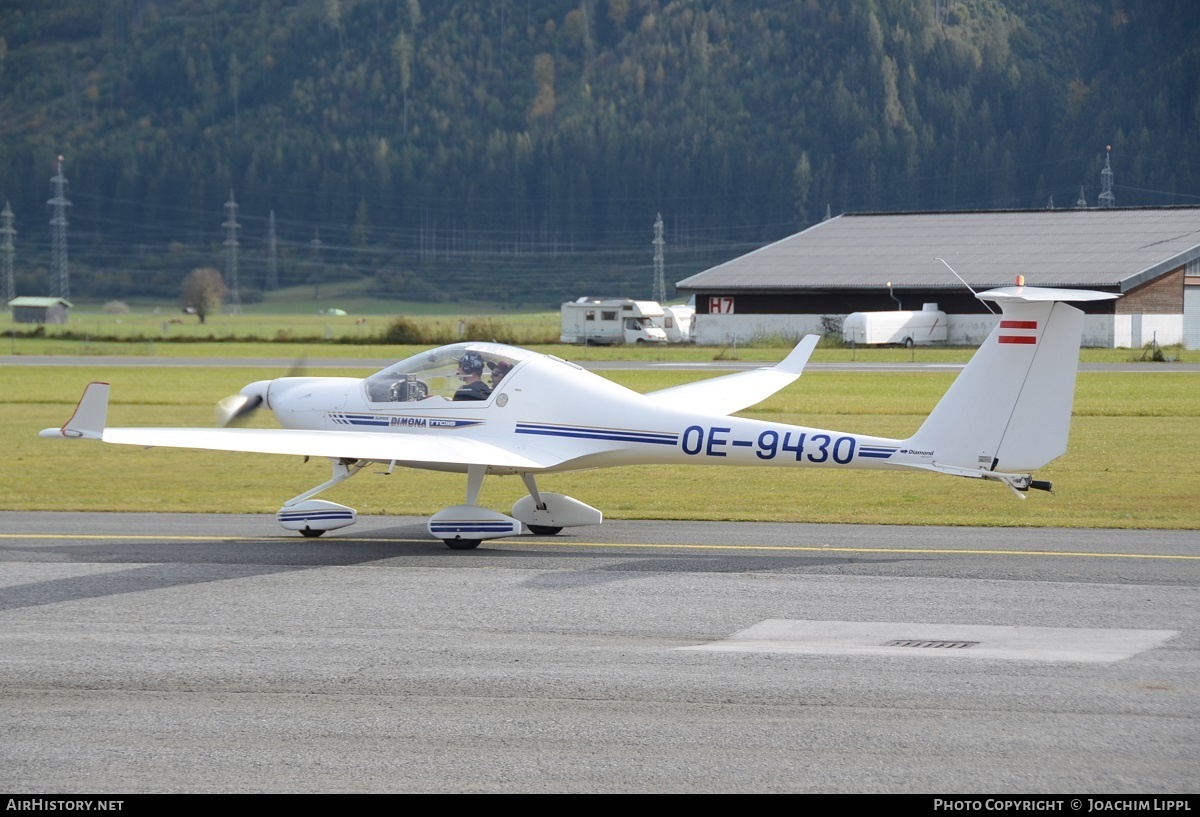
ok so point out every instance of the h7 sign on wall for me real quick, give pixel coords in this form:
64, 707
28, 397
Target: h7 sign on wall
720, 305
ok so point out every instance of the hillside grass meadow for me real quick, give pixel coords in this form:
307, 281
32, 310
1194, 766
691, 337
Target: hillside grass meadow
1132, 461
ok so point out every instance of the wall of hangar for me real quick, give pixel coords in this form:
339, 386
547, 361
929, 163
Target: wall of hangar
1099, 331
842, 302
1191, 317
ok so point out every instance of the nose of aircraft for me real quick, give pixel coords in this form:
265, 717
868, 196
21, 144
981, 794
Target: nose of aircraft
238, 406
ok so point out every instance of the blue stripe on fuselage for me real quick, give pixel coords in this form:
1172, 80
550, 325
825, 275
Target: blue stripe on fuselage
627, 435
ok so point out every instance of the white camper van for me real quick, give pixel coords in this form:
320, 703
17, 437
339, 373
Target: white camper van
609, 321
902, 328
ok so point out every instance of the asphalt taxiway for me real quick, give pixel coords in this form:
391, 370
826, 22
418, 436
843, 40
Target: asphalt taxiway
183, 653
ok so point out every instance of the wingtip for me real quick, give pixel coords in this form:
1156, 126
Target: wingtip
89, 418
797, 359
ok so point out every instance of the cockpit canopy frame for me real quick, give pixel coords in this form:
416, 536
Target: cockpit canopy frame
436, 374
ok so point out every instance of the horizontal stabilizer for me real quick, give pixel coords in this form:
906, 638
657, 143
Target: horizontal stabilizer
1031, 295
734, 392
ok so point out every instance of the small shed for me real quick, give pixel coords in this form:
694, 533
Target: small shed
26, 309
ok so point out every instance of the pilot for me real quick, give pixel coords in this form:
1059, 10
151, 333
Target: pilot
499, 369
470, 372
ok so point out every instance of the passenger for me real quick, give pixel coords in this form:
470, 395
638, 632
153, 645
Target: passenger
499, 369
470, 372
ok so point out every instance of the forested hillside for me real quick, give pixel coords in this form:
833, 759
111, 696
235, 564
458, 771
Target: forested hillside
520, 150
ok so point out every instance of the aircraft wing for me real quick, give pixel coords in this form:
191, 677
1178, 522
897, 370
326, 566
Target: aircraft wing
734, 392
363, 445
88, 422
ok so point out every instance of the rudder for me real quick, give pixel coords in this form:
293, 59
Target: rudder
1010, 408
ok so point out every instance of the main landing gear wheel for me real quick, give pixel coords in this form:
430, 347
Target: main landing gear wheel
462, 544
544, 530
310, 533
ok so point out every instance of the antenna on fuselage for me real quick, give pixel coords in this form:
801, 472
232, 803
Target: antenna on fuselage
964, 283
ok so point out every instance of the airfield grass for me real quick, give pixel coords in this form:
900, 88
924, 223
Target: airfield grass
1132, 460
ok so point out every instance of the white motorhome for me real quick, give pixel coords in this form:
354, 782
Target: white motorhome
903, 328
609, 321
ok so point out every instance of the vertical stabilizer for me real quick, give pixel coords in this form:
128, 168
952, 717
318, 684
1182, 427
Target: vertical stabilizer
1010, 409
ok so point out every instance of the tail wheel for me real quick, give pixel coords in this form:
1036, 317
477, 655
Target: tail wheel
310, 533
462, 544
544, 530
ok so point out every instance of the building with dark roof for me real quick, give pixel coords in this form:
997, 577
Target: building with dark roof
1150, 257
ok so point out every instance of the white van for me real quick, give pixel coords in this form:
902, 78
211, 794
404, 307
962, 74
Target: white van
610, 321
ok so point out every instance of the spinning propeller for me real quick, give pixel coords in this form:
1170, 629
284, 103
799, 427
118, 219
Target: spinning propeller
235, 408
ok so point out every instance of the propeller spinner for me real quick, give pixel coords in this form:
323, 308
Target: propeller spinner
237, 406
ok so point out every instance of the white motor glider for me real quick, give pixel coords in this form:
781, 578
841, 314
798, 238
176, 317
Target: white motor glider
486, 408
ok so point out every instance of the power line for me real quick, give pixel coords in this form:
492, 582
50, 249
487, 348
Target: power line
6, 230
60, 282
272, 255
660, 284
231, 253
1106, 180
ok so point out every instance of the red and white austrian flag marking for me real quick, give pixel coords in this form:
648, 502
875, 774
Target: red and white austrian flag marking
1018, 332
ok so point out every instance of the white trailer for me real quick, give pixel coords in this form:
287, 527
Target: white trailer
610, 321
903, 328
677, 323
